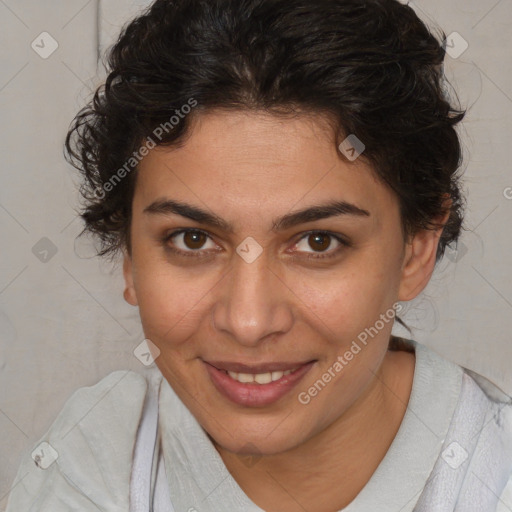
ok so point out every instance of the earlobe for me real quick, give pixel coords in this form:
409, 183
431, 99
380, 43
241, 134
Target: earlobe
129, 293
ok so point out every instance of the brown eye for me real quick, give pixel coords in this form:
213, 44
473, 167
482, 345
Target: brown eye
319, 241
319, 244
194, 239
188, 242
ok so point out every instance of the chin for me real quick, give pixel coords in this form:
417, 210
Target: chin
258, 443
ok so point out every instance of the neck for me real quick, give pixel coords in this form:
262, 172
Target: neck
326, 472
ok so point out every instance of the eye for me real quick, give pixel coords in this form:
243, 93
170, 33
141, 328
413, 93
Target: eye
191, 242
320, 242
187, 242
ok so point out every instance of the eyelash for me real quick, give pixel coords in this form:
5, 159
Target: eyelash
200, 254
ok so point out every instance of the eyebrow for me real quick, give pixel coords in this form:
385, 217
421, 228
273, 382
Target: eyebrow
310, 214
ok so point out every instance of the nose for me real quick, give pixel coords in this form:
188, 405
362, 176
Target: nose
254, 303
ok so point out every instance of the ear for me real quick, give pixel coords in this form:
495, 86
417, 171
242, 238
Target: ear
420, 260
129, 291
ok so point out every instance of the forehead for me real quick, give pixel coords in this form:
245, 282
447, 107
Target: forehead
259, 160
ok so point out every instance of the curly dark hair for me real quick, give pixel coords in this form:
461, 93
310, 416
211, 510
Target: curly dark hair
372, 66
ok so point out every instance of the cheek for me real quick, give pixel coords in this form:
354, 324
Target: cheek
343, 303
172, 302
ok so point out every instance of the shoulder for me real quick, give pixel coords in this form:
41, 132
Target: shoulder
489, 470
491, 390
505, 501
83, 462
474, 462
112, 397
499, 409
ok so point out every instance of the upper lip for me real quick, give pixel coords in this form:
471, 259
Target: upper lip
256, 368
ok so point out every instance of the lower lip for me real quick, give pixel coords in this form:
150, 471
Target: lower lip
255, 395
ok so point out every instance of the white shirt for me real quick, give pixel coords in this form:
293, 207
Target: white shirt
453, 451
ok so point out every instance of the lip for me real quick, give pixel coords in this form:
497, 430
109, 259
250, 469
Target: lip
253, 394
256, 368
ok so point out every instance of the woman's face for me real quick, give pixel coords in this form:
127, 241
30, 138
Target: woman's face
246, 280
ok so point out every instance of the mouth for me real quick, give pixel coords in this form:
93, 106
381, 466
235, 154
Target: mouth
257, 385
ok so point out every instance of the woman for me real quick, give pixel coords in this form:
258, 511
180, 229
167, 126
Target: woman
279, 175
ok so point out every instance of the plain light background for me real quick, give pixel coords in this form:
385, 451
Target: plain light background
63, 321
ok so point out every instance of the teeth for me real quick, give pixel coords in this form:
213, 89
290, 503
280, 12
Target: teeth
259, 378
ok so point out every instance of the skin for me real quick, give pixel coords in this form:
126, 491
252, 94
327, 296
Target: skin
249, 169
